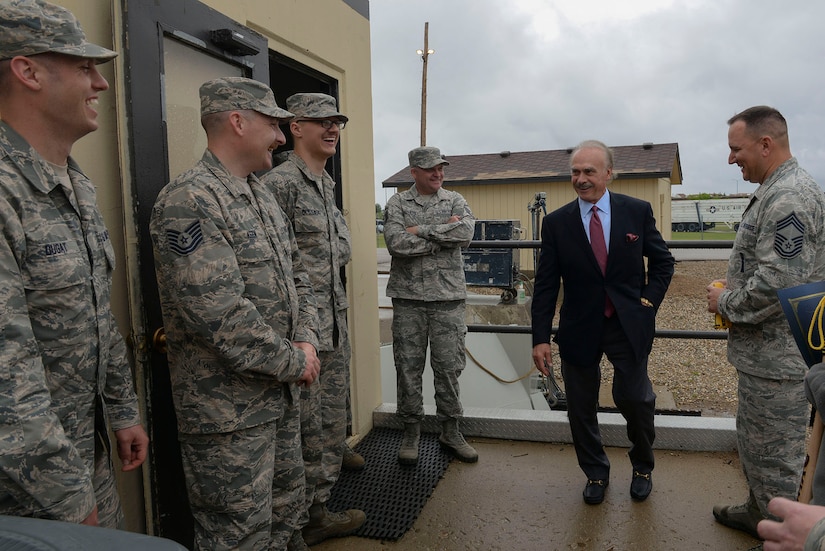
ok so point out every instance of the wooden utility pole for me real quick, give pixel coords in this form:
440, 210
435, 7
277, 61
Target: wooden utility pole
425, 54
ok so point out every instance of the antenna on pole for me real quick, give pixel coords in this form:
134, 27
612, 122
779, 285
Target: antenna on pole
425, 54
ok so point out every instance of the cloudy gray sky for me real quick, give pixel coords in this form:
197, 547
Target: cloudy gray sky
527, 75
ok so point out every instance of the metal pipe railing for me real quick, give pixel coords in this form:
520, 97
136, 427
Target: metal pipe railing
660, 334
532, 244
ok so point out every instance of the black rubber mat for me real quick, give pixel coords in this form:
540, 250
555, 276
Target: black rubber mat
390, 494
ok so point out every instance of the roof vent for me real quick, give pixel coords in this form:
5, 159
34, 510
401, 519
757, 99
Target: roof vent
505, 153
647, 145
569, 150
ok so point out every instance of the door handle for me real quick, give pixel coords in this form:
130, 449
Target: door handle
159, 341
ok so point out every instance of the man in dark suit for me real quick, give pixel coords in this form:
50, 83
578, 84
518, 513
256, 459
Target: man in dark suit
596, 246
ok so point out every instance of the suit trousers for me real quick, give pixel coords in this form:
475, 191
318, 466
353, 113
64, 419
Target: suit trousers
632, 393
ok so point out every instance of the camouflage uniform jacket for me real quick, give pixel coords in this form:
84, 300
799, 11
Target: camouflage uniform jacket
322, 235
816, 537
428, 266
234, 297
780, 243
59, 344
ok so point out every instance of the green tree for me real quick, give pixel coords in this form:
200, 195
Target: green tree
379, 212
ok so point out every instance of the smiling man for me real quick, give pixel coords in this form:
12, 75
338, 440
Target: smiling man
241, 325
780, 244
425, 228
596, 248
64, 375
306, 193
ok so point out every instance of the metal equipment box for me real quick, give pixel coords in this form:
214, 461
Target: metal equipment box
484, 267
501, 230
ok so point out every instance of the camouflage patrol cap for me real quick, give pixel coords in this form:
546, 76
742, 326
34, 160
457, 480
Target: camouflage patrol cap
29, 27
426, 157
314, 106
239, 94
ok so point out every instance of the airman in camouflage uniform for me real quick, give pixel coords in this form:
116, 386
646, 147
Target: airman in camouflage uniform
64, 374
425, 228
241, 325
306, 193
780, 243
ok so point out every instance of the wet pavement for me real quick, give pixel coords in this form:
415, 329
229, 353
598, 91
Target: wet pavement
527, 496
524, 495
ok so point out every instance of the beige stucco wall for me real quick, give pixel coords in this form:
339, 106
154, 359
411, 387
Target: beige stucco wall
509, 202
326, 35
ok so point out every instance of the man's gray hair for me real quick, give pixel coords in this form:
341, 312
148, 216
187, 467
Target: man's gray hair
595, 144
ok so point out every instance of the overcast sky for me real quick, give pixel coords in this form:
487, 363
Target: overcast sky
528, 75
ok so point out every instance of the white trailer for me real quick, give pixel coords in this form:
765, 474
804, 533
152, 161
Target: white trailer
693, 215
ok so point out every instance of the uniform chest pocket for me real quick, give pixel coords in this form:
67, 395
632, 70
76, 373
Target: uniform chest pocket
58, 281
98, 240
310, 221
252, 245
439, 215
744, 245
53, 265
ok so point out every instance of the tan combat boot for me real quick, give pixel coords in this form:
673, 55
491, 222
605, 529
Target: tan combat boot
454, 442
408, 452
351, 460
742, 517
325, 524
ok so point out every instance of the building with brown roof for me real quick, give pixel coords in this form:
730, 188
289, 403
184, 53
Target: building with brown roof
501, 186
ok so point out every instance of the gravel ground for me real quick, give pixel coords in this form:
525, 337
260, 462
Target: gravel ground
696, 372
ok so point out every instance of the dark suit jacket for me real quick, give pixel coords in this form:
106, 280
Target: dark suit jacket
567, 258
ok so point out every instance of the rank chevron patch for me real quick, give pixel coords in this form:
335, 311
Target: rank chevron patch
790, 233
187, 241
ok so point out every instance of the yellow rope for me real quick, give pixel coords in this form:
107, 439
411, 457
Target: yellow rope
493, 375
816, 321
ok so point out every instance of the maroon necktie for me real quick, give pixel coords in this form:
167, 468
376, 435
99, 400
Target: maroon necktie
600, 251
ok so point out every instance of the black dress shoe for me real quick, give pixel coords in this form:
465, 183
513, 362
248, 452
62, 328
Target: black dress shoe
594, 491
640, 486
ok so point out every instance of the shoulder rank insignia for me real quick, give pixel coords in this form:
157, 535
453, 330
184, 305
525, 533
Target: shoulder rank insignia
790, 232
186, 241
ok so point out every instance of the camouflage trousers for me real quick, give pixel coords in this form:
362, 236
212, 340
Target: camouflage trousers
441, 324
246, 488
109, 512
324, 423
771, 424
312, 443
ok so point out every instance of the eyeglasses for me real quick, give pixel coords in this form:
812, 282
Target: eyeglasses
326, 124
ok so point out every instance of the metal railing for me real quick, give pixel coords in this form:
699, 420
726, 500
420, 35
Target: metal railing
533, 244
660, 333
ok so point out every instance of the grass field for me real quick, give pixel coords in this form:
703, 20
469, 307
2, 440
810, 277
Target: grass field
712, 235
379, 237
